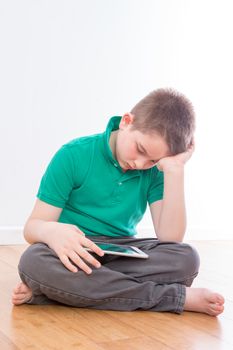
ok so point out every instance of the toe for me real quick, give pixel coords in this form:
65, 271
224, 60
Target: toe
220, 299
16, 302
216, 309
215, 298
19, 296
23, 288
19, 288
20, 299
16, 289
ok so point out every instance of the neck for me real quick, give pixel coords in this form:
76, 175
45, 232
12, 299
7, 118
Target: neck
112, 142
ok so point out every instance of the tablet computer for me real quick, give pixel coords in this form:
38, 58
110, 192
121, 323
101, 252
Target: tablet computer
118, 249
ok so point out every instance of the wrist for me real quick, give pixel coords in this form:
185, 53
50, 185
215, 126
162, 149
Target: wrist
174, 168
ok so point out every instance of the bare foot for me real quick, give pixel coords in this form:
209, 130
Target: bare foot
21, 294
204, 300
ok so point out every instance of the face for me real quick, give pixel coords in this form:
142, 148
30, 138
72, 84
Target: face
135, 150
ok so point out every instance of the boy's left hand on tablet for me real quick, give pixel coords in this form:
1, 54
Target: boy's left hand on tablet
69, 243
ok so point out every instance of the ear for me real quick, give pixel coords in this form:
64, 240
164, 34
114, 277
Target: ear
126, 120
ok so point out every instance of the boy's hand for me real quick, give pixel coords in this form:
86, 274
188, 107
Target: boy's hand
68, 242
177, 161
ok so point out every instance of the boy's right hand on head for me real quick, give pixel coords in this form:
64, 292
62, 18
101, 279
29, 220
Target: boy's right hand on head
69, 244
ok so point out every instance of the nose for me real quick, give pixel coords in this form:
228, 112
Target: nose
140, 163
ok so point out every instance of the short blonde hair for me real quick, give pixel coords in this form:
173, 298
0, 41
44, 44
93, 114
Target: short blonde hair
169, 113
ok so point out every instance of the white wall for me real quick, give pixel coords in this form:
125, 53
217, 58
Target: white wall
67, 66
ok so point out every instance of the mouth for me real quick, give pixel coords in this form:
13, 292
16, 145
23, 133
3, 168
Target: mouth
128, 167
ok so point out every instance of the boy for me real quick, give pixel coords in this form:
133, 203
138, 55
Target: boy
96, 189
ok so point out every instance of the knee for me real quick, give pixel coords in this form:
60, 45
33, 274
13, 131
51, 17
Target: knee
32, 258
190, 261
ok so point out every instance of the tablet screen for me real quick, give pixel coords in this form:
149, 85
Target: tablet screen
116, 248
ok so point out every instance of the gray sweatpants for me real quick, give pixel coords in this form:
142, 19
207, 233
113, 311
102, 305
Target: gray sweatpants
121, 283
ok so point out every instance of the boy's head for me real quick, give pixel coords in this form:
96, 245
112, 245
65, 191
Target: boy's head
170, 114
159, 125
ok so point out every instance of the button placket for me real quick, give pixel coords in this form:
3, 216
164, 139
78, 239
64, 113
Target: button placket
119, 186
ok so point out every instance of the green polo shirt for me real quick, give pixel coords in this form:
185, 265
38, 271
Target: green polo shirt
86, 181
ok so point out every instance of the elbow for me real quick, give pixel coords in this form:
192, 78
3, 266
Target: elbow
25, 233
170, 236
170, 239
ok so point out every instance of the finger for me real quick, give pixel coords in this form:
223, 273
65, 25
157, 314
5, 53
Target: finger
84, 254
80, 263
89, 244
66, 262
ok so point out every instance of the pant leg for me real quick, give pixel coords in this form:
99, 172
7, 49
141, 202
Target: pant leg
169, 262
105, 288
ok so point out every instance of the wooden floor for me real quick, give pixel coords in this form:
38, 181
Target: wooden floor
57, 327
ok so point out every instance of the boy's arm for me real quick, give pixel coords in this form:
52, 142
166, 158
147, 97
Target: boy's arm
36, 227
169, 214
67, 240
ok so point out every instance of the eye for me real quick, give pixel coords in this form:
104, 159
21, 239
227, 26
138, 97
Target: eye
139, 150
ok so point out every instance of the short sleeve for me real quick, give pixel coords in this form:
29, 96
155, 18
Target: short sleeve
58, 179
156, 186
